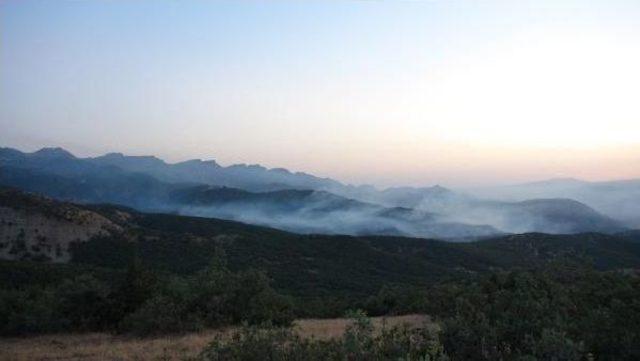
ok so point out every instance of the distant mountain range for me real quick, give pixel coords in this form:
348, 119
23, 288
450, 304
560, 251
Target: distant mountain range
296, 202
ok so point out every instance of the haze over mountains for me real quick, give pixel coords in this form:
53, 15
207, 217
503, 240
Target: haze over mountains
36, 228
619, 199
303, 203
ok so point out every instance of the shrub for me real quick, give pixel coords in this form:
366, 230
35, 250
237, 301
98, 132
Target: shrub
212, 298
84, 301
30, 311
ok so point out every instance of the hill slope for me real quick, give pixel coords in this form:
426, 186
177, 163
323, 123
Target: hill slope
301, 264
617, 199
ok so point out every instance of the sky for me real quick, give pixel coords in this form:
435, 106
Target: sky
451, 92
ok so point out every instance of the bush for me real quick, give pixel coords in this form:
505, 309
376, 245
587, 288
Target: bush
30, 311
541, 316
167, 311
84, 302
212, 298
145, 303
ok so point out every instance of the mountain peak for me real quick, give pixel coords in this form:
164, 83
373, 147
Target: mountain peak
280, 170
439, 189
129, 162
255, 167
199, 162
113, 155
54, 152
557, 182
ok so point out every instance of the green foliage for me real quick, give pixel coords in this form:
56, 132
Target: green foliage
164, 312
80, 303
84, 302
145, 303
396, 300
31, 311
562, 313
342, 268
541, 316
20, 274
212, 298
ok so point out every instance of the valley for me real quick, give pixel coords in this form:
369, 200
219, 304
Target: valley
142, 264
294, 202
286, 180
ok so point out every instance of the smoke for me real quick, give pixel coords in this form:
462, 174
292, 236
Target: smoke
619, 200
326, 206
548, 215
320, 213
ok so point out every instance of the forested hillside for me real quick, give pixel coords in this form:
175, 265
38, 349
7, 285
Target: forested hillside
137, 273
299, 264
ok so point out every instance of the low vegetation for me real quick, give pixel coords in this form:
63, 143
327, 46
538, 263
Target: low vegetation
172, 347
143, 303
359, 342
557, 314
563, 312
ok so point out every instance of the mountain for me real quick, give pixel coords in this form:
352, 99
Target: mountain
290, 201
91, 185
303, 211
556, 216
293, 210
617, 199
249, 177
548, 215
36, 228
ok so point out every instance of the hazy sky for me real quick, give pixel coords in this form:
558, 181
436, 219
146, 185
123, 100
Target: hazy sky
384, 92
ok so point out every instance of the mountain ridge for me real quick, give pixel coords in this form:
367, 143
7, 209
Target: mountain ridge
150, 184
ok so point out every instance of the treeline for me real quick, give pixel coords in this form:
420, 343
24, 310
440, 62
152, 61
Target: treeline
144, 302
555, 314
552, 314
562, 312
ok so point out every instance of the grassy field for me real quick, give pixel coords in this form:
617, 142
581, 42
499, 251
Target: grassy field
104, 347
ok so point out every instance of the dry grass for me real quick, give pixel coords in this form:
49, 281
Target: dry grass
99, 346
330, 328
105, 347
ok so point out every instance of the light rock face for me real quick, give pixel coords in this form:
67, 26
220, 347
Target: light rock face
30, 234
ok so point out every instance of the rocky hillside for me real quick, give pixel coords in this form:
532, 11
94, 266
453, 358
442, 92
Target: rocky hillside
38, 228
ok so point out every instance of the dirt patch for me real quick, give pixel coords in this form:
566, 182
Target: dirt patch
105, 347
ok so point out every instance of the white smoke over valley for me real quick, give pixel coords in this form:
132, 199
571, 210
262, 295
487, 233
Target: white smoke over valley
306, 204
